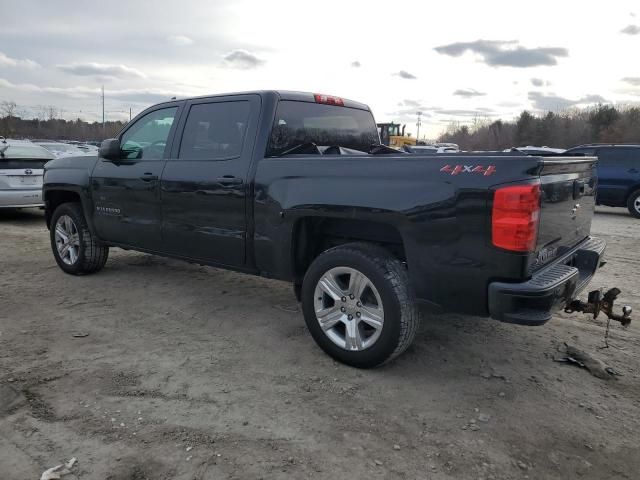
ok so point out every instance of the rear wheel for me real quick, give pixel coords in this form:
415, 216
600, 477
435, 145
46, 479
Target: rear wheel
633, 204
357, 305
75, 249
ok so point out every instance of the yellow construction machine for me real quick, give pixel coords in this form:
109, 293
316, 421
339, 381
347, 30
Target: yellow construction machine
392, 134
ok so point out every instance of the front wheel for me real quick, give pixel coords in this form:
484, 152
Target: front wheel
75, 249
357, 305
633, 204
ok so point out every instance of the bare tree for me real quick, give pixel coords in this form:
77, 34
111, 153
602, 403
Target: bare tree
8, 108
51, 112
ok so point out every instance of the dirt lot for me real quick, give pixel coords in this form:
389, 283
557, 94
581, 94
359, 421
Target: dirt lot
186, 372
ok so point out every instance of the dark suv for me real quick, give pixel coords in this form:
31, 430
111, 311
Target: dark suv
618, 174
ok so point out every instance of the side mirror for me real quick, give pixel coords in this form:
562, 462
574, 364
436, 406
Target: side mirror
110, 149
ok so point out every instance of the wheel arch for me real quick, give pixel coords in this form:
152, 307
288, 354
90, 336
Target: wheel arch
312, 235
54, 197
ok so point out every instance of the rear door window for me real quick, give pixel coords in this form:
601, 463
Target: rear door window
616, 156
215, 131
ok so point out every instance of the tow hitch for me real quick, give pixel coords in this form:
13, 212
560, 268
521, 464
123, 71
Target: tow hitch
597, 302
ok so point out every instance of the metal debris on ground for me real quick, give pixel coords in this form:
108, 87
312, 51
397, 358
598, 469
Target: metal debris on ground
585, 360
57, 472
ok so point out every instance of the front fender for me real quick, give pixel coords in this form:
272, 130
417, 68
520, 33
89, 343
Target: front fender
68, 179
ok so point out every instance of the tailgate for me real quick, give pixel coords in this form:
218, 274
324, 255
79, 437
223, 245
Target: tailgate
568, 187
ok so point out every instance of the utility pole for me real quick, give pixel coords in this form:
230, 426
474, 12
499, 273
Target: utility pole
418, 124
103, 127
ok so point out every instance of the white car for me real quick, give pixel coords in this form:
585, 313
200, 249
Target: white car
60, 150
88, 149
21, 170
541, 151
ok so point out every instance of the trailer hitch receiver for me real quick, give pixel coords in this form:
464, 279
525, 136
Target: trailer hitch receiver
597, 303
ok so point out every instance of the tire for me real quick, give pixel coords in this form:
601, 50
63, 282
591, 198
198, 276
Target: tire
633, 204
383, 283
85, 255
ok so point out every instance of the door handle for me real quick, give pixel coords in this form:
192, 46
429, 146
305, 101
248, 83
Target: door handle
229, 180
148, 177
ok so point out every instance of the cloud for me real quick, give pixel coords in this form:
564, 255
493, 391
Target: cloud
500, 53
6, 61
242, 59
537, 82
468, 93
635, 81
179, 40
356, 64
410, 103
631, 30
478, 112
406, 75
101, 70
543, 101
145, 96
73, 92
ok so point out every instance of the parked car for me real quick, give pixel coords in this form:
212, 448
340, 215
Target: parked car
423, 149
429, 149
618, 174
61, 150
296, 186
21, 170
87, 149
539, 151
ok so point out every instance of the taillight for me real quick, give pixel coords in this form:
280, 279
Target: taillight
328, 100
515, 215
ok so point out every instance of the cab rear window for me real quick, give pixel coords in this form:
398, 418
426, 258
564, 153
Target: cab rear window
325, 125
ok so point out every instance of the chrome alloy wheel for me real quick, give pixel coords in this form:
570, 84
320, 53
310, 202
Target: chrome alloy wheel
349, 308
636, 204
67, 240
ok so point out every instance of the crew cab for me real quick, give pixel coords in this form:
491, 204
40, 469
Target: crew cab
618, 174
296, 186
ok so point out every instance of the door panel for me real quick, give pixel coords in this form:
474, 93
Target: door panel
126, 192
126, 202
204, 184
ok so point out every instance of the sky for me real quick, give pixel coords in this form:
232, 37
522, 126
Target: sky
454, 61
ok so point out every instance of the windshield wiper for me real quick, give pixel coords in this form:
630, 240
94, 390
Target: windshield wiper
301, 148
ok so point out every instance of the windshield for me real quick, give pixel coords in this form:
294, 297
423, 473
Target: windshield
325, 125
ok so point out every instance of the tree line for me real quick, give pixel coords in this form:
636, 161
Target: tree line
48, 125
601, 123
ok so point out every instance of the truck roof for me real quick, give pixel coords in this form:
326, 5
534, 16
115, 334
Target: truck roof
280, 94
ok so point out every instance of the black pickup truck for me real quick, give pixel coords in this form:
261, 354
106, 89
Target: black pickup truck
296, 186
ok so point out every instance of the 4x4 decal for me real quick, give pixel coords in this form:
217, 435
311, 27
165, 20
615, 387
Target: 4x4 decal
457, 169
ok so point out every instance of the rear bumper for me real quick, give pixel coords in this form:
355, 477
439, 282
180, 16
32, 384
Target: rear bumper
533, 302
20, 198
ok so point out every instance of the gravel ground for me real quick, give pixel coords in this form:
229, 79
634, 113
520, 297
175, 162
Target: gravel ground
157, 369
